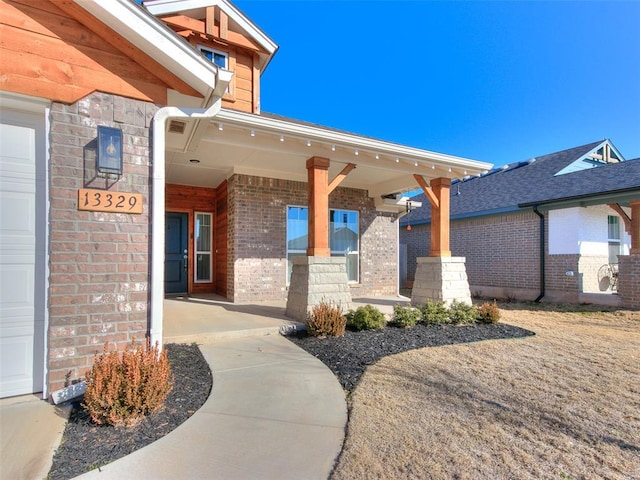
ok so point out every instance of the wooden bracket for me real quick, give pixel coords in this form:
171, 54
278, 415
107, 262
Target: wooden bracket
625, 218
435, 203
340, 177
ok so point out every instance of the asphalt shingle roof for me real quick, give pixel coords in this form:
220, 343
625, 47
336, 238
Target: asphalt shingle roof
533, 182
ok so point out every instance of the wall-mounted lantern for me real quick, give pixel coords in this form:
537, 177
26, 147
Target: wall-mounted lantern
109, 154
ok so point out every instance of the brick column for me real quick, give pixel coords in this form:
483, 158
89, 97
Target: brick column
318, 191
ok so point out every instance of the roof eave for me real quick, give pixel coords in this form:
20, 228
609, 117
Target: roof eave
291, 128
153, 38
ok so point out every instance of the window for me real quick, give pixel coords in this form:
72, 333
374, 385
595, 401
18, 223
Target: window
344, 238
203, 247
221, 59
614, 238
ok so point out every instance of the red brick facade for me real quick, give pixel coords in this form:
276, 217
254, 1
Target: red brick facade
99, 262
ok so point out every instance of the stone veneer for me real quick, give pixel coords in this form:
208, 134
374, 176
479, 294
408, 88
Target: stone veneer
315, 280
257, 232
99, 262
440, 279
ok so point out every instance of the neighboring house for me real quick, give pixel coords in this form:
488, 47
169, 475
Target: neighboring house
546, 228
135, 161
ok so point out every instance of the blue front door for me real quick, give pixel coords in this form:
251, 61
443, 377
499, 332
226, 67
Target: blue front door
175, 254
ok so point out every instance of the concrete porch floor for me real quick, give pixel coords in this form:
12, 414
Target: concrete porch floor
207, 317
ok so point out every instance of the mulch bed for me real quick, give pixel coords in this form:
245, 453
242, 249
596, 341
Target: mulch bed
348, 356
86, 446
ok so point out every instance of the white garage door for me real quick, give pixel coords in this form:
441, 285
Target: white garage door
21, 255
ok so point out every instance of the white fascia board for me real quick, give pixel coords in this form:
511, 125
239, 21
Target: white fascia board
166, 7
156, 40
283, 127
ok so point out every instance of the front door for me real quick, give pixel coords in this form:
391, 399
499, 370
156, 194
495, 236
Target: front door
176, 263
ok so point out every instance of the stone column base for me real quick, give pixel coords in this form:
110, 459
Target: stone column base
317, 279
629, 280
440, 279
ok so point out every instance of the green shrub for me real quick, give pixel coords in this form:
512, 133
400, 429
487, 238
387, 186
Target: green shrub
326, 320
122, 389
460, 312
365, 318
434, 312
405, 316
488, 313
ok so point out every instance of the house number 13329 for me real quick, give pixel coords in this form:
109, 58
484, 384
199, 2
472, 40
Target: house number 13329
106, 201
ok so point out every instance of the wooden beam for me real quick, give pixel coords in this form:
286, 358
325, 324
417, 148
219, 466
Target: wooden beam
422, 183
440, 221
210, 21
224, 25
635, 227
625, 218
341, 176
317, 189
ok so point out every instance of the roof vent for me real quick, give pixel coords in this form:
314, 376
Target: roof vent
176, 126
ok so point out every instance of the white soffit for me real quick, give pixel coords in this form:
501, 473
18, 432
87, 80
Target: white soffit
155, 39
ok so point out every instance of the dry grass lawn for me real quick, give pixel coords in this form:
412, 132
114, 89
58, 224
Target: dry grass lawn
564, 404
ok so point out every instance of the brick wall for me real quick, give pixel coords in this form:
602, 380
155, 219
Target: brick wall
492, 247
629, 280
257, 238
98, 261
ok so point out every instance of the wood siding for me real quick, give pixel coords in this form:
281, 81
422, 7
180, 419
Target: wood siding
48, 53
244, 89
220, 235
187, 199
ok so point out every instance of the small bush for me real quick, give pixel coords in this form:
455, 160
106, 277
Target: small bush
326, 320
122, 389
460, 312
405, 316
434, 312
365, 318
488, 313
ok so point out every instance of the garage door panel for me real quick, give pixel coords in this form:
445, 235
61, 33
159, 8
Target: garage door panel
21, 326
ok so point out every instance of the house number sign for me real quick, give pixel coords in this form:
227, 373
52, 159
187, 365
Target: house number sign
105, 201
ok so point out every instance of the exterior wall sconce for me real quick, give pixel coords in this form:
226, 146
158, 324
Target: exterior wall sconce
109, 154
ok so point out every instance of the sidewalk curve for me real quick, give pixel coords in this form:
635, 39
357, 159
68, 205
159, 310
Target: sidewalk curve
275, 412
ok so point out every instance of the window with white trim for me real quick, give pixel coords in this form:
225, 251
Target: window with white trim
217, 57
344, 238
615, 245
202, 240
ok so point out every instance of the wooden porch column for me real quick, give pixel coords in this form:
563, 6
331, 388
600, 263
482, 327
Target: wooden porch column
635, 227
438, 195
318, 192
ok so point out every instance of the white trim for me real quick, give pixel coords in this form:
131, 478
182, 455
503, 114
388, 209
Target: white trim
164, 7
320, 134
156, 40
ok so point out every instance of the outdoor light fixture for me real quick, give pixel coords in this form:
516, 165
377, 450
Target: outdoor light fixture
308, 143
282, 138
109, 154
220, 127
253, 133
333, 148
357, 152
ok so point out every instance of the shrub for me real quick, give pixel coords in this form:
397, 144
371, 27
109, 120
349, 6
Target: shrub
122, 389
488, 313
365, 318
434, 312
460, 312
405, 316
326, 320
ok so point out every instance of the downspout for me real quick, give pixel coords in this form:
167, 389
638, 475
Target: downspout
542, 262
158, 195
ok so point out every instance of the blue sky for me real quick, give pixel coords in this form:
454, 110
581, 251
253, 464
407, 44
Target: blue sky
491, 81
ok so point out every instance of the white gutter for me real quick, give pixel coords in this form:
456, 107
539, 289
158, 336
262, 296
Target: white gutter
325, 135
159, 123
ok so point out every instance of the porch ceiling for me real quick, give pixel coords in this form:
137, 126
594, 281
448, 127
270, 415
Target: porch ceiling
255, 145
